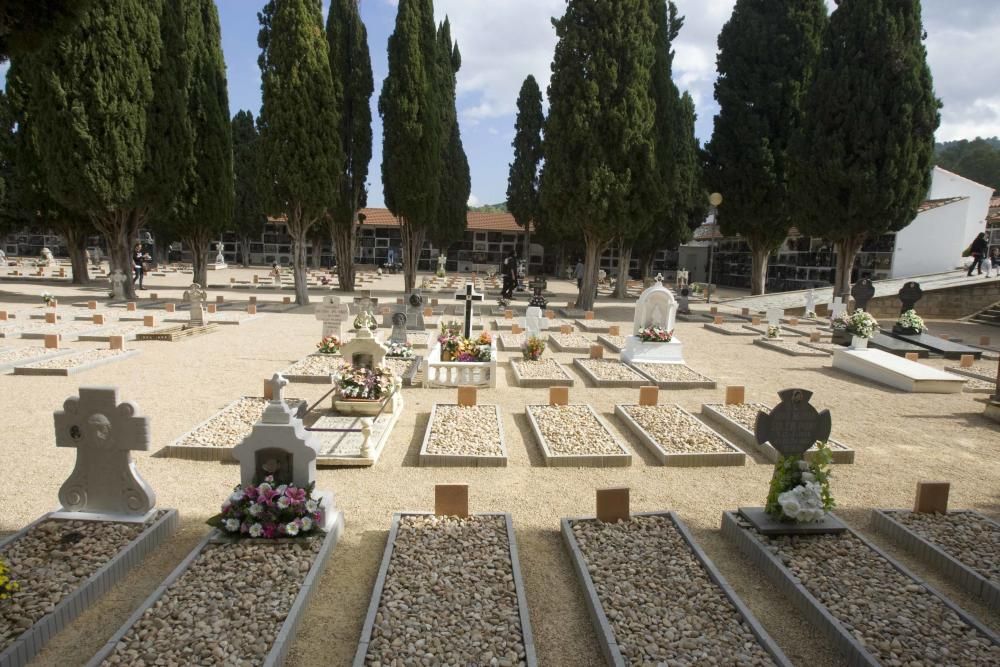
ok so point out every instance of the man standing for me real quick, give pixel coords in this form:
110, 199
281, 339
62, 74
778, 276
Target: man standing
509, 275
978, 251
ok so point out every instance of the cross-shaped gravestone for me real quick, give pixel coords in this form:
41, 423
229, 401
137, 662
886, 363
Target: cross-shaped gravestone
103, 432
468, 296
811, 301
774, 316
365, 304
398, 334
278, 383
118, 284
333, 314
794, 425
909, 294
414, 311
534, 322
196, 297
537, 286
837, 308
862, 291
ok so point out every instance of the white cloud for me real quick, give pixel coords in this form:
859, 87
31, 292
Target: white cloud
474, 200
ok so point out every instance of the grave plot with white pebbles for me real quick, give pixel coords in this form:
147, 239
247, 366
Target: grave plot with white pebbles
214, 438
614, 343
880, 613
464, 435
610, 373
661, 600
574, 435
541, 373
570, 342
315, 368
674, 376
227, 608
448, 595
675, 437
75, 362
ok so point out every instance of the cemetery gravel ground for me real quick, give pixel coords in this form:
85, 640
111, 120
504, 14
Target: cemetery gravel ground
899, 438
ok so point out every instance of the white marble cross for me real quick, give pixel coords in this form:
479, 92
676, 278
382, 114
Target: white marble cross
774, 316
534, 322
333, 315
811, 301
837, 307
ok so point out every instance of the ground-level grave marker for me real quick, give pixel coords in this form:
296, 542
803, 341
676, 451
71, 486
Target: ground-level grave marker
673, 376
609, 373
540, 373
614, 342
279, 454
650, 559
75, 362
464, 434
107, 524
451, 500
575, 435
569, 341
932, 497
596, 351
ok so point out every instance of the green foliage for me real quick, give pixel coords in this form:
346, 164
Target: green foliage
788, 474
490, 208
248, 211
522, 177
27, 25
978, 160
456, 182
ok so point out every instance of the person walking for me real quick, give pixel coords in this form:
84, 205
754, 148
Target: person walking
509, 275
978, 251
578, 274
138, 268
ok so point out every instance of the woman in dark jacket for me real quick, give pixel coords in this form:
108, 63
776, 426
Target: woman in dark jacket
978, 251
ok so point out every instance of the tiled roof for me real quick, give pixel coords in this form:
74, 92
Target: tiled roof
478, 221
932, 204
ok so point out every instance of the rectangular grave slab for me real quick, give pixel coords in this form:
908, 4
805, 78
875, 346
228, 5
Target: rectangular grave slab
730, 329
177, 332
613, 343
892, 371
762, 330
610, 623
16, 356
127, 330
849, 553
571, 342
896, 346
314, 368
946, 348
347, 444
77, 362
952, 559
716, 414
405, 537
984, 373
24, 647
489, 454
509, 341
673, 376
594, 326
668, 443
615, 373
593, 445
789, 347
188, 572
542, 373
407, 369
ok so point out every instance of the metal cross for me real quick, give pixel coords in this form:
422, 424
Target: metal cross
469, 296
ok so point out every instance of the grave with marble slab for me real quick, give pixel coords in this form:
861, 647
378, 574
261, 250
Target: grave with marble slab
438, 373
333, 314
656, 307
909, 294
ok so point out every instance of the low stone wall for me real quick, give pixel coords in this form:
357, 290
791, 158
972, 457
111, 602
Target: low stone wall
945, 304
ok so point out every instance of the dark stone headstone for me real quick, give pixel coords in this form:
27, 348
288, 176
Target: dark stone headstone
537, 286
794, 425
909, 294
765, 524
398, 334
863, 291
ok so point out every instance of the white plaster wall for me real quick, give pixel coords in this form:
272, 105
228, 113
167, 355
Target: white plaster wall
946, 184
933, 242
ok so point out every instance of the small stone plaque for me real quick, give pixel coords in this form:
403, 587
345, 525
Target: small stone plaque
794, 425
913, 356
718, 319
92, 305
813, 336
153, 295
212, 308
451, 500
565, 329
862, 291
50, 318
170, 308
251, 309
909, 294
428, 312
588, 315
559, 396
735, 395
984, 340
149, 320
116, 342
268, 390
515, 329
508, 314
220, 299
98, 318
755, 320
596, 351
765, 524
614, 330
744, 311
130, 306
286, 299
52, 341
613, 505
649, 395
714, 310
794, 321
253, 299
966, 361
932, 497
467, 396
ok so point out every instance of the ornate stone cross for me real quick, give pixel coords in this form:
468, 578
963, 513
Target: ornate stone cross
333, 314
118, 284
197, 297
469, 296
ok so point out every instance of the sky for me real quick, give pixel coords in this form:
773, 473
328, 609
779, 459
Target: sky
502, 41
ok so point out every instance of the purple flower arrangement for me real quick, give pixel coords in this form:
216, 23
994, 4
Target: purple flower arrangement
269, 511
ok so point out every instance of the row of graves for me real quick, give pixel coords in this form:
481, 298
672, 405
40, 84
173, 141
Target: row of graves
653, 594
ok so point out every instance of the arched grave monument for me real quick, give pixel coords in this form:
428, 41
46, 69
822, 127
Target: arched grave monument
656, 308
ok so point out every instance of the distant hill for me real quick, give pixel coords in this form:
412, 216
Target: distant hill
992, 141
978, 160
490, 208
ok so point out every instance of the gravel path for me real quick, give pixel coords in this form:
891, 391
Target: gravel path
51, 561
966, 537
573, 430
449, 596
471, 430
226, 609
662, 605
77, 359
609, 369
231, 425
899, 622
671, 372
315, 364
543, 369
675, 430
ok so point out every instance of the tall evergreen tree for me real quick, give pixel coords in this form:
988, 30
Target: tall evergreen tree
26, 25
351, 65
767, 59
411, 129
522, 174
248, 208
862, 161
92, 107
456, 182
300, 114
599, 178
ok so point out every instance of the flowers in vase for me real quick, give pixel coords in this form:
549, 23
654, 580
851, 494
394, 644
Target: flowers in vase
48, 298
910, 320
269, 510
800, 489
655, 334
859, 323
773, 331
365, 383
456, 347
533, 349
329, 345
400, 350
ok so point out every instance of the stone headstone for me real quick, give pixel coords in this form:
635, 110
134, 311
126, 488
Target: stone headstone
932, 497
333, 314
774, 316
534, 323
469, 296
559, 396
862, 291
118, 284
451, 499
104, 432
467, 396
613, 505
837, 308
811, 301
656, 307
909, 294
538, 286
363, 351
794, 425
398, 334
196, 297
649, 395
414, 311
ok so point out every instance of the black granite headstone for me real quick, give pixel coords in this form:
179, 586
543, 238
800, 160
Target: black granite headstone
537, 286
909, 294
863, 291
794, 425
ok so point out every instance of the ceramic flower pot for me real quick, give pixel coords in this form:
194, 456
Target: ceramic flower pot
859, 343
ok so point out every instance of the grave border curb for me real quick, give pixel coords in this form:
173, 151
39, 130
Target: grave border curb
958, 370
641, 381
707, 383
737, 457
963, 576
541, 383
29, 643
65, 372
763, 342
715, 328
559, 348
622, 460
582, 323
282, 642
427, 459
603, 627
603, 340
530, 658
10, 366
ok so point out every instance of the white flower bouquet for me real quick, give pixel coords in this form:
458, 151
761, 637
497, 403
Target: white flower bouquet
859, 323
910, 320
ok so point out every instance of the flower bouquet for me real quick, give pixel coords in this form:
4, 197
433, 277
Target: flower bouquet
909, 323
269, 510
533, 349
329, 345
48, 299
365, 319
400, 350
364, 384
474, 349
655, 335
800, 490
503, 302
7, 585
773, 331
859, 324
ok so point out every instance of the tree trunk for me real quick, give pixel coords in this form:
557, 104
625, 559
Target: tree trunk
119, 229
299, 268
413, 242
76, 245
624, 261
245, 250
591, 261
199, 259
847, 251
344, 239
758, 271
646, 263
317, 254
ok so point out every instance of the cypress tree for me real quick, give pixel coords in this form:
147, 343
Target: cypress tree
599, 178
95, 121
411, 129
248, 209
862, 161
456, 183
522, 175
26, 25
301, 149
766, 62
351, 66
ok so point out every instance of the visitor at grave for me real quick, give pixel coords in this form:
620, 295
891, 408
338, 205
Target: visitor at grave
138, 270
978, 251
578, 273
992, 263
509, 275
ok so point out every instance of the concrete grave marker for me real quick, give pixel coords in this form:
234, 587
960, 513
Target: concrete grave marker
683, 303
613, 505
862, 291
559, 396
451, 500
774, 316
837, 307
565, 329
534, 322
649, 395
984, 340
755, 320
467, 396
588, 315
50, 318
811, 301
794, 425
596, 351
614, 330
735, 395
515, 329
104, 432
718, 319
508, 314
211, 308
538, 286
913, 356
118, 285
149, 320
932, 497
909, 294
220, 298
196, 297
813, 336
52, 341
468, 297
398, 334
98, 318
333, 314
116, 342
130, 306
251, 309
92, 305
550, 314
967, 360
